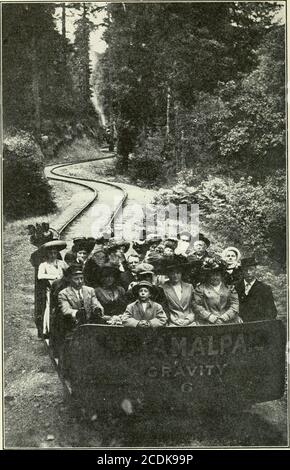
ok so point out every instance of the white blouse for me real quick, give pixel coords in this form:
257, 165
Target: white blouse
51, 271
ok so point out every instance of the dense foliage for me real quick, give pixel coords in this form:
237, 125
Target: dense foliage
46, 87
196, 73
249, 216
26, 191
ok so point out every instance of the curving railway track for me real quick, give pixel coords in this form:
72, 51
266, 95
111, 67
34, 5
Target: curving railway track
98, 212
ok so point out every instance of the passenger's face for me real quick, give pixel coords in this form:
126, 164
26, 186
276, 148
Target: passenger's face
250, 273
77, 281
82, 255
175, 277
231, 257
109, 281
52, 255
100, 258
144, 294
185, 238
215, 279
199, 247
133, 262
120, 253
168, 251
114, 258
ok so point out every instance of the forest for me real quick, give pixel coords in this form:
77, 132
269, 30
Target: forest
193, 96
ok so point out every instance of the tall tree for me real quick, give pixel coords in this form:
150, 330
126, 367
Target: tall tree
185, 48
84, 26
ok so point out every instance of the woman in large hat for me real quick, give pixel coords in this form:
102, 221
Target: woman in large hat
110, 293
179, 294
82, 247
214, 302
48, 271
93, 267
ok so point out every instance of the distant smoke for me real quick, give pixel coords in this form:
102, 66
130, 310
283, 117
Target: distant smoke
98, 107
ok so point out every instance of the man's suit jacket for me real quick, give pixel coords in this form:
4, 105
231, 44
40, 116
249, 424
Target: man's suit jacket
210, 305
126, 278
179, 311
69, 303
154, 314
258, 304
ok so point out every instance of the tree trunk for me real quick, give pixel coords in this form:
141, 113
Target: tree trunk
63, 20
35, 85
63, 32
168, 112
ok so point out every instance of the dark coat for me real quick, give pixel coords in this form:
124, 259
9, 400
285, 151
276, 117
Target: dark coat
126, 278
231, 279
258, 304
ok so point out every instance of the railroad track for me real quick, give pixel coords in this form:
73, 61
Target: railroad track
95, 186
55, 172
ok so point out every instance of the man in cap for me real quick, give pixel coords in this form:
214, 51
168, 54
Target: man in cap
255, 297
78, 303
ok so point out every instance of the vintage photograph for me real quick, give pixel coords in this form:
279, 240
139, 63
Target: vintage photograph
144, 234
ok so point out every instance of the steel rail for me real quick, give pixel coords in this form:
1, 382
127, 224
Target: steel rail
81, 182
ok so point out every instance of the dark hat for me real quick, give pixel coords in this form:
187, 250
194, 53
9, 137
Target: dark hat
70, 257
100, 240
202, 238
120, 243
151, 239
247, 262
109, 269
175, 262
213, 264
111, 247
137, 287
154, 258
74, 269
83, 244
171, 243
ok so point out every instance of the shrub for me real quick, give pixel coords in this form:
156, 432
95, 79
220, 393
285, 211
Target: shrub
26, 190
148, 163
251, 216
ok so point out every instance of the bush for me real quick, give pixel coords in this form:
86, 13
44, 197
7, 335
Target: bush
250, 216
26, 190
148, 163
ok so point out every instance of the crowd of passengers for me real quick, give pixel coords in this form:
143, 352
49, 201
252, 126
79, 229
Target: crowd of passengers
147, 284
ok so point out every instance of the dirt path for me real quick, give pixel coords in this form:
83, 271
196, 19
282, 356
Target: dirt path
37, 413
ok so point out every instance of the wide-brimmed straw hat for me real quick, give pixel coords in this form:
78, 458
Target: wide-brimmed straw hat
53, 244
